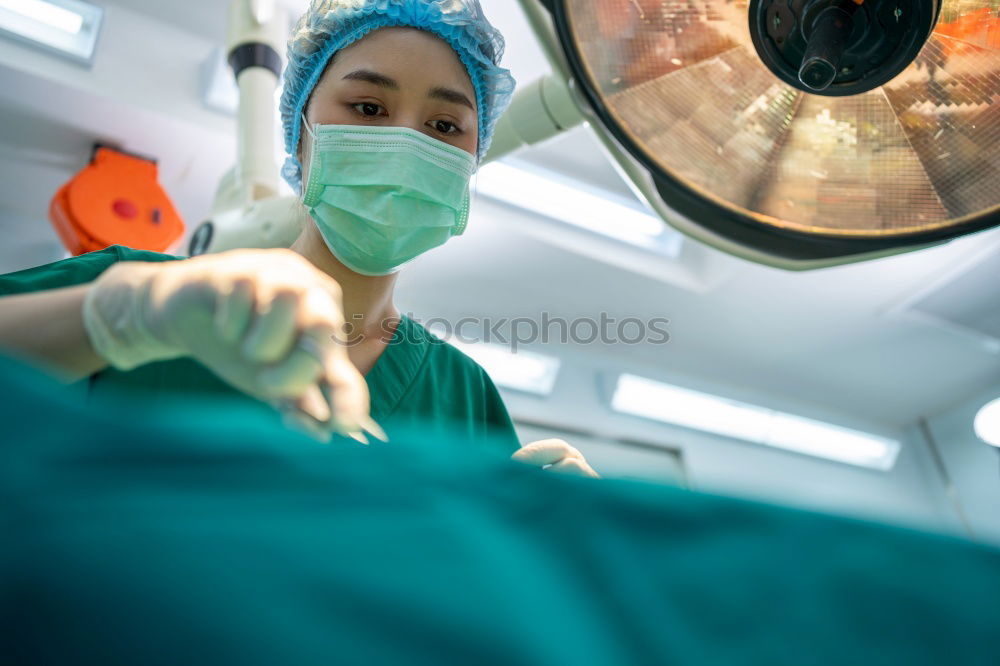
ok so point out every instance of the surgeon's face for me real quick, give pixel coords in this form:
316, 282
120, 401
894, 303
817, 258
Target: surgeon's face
401, 77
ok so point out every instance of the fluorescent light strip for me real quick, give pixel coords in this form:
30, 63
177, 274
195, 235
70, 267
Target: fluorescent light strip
692, 409
47, 13
549, 196
69, 28
523, 371
987, 423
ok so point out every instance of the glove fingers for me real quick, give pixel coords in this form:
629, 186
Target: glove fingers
297, 416
344, 387
322, 311
272, 333
546, 452
293, 375
572, 466
300, 415
317, 315
314, 404
346, 392
234, 310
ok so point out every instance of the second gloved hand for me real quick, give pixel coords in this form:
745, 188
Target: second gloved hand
555, 455
266, 321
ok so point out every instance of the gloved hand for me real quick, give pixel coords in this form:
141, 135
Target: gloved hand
266, 321
556, 455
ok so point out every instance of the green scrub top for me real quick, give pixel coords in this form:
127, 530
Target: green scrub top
419, 381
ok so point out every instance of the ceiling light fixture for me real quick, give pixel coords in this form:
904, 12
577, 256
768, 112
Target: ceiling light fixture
67, 27
523, 370
639, 396
544, 193
47, 13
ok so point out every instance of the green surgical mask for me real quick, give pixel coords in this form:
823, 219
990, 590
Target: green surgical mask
381, 196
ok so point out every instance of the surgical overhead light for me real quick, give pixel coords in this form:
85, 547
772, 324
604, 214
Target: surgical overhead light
796, 133
67, 27
987, 423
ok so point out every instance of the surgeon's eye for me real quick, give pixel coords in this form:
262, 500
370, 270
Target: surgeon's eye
445, 127
369, 109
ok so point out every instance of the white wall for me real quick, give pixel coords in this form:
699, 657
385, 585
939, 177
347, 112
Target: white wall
972, 465
142, 94
37, 241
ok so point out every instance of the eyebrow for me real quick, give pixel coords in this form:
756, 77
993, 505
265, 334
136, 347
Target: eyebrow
381, 80
452, 96
368, 76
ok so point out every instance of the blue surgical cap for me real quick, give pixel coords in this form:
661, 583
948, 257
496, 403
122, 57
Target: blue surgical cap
330, 25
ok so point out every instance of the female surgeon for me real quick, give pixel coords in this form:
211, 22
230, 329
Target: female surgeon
388, 108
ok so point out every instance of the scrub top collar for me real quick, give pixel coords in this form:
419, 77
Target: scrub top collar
396, 370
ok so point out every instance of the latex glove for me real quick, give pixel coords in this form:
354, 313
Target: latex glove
268, 322
556, 455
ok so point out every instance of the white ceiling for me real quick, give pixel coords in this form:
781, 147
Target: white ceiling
822, 340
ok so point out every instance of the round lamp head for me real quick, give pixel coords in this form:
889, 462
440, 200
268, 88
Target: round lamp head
802, 129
